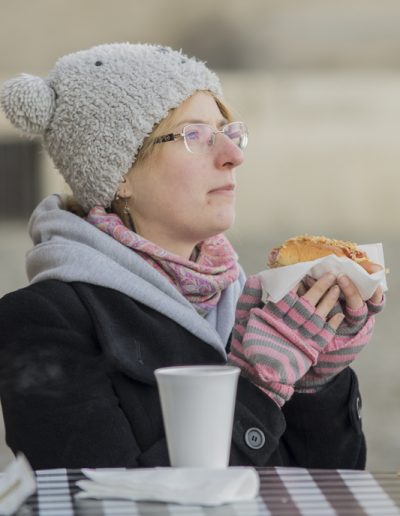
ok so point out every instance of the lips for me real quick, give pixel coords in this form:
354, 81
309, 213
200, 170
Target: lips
225, 188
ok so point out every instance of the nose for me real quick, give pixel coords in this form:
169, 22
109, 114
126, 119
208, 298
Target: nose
227, 154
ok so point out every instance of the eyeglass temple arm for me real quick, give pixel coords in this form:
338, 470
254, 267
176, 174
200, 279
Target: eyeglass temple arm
167, 138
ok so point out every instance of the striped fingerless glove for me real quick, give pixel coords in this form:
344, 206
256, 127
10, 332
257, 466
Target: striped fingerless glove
353, 334
276, 344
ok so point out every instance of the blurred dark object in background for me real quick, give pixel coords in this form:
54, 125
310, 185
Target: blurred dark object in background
19, 178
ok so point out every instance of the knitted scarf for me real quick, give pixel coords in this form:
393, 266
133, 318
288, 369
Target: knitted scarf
201, 279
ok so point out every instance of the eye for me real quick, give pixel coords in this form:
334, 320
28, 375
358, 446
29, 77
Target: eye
233, 131
193, 134
98, 63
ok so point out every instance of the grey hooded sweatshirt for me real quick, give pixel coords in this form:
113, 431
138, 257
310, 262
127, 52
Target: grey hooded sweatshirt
68, 248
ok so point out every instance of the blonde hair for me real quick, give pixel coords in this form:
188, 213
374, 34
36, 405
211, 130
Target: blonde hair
168, 122
145, 151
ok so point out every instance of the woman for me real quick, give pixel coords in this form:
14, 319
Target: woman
135, 274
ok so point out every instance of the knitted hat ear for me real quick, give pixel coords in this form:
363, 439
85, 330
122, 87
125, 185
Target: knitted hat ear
28, 102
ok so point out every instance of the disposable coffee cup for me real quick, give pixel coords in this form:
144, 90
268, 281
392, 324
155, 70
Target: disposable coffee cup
198, 404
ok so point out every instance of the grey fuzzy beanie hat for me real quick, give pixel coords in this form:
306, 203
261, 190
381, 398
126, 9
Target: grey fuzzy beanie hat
96, 107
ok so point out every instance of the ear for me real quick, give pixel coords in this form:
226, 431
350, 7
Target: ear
28, 102
124, 190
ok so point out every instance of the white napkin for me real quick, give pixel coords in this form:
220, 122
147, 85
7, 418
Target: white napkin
17, 483
194, 486
276, 283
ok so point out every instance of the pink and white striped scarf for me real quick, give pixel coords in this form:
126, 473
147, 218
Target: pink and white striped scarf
201, 280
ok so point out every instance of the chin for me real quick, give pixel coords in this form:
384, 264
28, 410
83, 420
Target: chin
225, 222
215, 222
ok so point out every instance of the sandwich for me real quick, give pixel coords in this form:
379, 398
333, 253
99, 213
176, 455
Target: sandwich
306, 248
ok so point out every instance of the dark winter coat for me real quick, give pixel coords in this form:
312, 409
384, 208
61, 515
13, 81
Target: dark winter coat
78, 389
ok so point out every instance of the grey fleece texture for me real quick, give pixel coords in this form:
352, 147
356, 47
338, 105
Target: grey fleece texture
97, 106
68, 248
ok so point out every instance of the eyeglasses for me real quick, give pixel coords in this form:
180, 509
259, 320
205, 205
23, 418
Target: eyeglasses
199, 138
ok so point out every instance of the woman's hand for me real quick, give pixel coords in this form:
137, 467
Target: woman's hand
352, 335
275, 344
350, 292
323, 294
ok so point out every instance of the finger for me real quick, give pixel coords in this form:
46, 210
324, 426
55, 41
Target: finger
377, 296
320, 287
309, 281
328, 301
374, 267
336, 321
350, 292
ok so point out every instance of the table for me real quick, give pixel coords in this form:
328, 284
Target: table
283, 492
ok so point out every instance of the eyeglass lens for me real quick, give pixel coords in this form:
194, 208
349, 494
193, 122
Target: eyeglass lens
199, 138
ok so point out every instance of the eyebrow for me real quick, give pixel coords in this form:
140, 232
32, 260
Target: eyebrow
221, 122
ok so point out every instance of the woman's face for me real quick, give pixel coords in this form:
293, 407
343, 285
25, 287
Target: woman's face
176, 198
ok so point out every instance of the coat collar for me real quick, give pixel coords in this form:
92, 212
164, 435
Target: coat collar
136, 339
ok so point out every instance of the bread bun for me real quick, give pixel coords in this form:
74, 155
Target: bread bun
306, 248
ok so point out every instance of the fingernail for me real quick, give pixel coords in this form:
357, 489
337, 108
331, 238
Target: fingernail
343, 280
335, 290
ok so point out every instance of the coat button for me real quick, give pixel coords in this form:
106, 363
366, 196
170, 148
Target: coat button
254, 438
358, 407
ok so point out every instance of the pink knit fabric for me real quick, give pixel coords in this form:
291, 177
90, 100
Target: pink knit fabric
276, 344
282, 345
352, 336
201, 281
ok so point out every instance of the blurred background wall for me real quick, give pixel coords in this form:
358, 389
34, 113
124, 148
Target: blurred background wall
318, 83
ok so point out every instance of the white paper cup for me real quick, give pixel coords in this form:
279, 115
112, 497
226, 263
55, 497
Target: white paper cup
198, 404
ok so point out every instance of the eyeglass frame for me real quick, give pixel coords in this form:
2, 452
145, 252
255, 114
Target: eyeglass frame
171, 137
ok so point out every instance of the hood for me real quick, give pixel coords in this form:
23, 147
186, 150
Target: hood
68, 248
